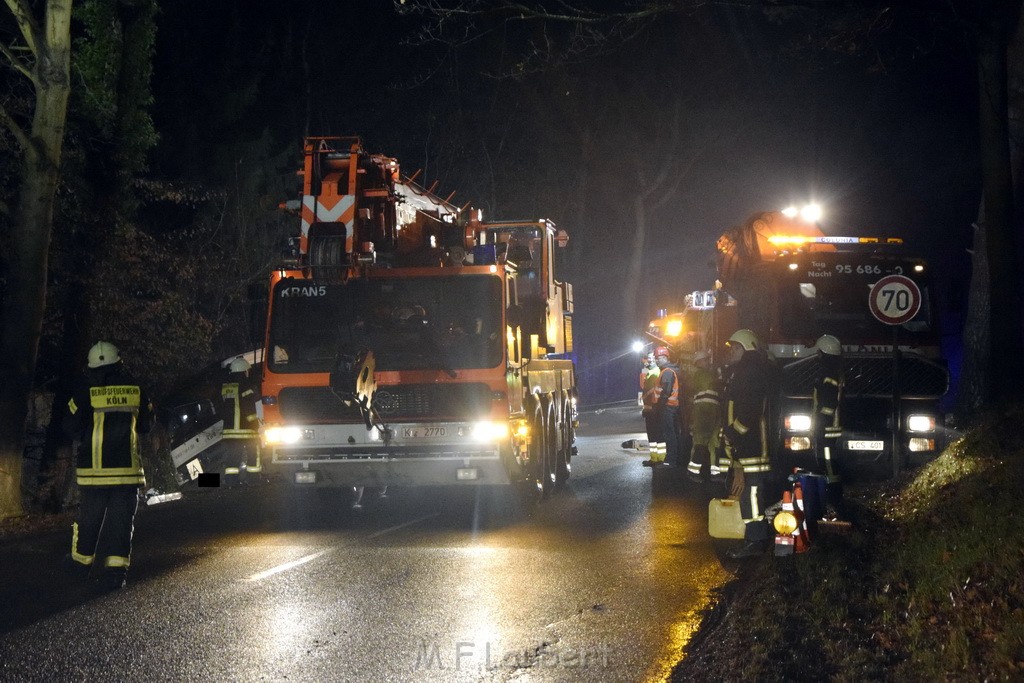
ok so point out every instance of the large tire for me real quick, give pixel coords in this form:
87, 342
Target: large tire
532, 488
563, 458
549, 478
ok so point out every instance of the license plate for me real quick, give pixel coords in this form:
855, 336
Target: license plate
860, 445
423, 432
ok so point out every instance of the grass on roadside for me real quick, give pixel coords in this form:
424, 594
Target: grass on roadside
929, 586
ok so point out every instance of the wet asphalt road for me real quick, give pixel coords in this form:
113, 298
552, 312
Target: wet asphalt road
604, 582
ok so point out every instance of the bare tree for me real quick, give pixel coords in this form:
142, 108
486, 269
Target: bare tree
996, 341
42, 56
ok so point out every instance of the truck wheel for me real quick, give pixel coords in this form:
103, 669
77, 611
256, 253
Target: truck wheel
550, 452
534, 486
563, 458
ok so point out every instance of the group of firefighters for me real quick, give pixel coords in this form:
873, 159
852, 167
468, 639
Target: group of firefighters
105, 416
727, 413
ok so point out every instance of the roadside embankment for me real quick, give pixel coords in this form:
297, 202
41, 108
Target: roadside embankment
927, 585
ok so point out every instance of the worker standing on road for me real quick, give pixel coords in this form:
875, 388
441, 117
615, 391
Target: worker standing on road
705, 420
747, 394
828, 397
648, 386
106, 415
666, 411
241, 427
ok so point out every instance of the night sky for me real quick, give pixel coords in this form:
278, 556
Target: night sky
709, 118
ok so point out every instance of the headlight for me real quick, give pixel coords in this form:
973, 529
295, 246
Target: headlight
798, 423
487, 431
273, 436
921, 423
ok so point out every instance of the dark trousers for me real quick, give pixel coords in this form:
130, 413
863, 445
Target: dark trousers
652, 424
753, 501
670, 434
112, 510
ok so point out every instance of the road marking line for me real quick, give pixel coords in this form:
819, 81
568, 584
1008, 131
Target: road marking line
403, 524
309, 558
287, 565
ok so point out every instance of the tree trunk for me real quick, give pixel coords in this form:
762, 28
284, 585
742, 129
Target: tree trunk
21, 316
1005, 367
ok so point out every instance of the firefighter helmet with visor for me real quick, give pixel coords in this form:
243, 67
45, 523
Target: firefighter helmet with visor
103, 353
829, 345
744, 338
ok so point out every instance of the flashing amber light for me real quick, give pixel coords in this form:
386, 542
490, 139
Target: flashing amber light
674, 328
785, 522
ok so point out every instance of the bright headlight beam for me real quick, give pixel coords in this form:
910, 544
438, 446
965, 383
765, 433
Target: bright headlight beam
281, 435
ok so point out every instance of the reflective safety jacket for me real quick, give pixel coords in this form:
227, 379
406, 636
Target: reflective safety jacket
649, 385
106, 414
667, 391
706, 415
239, 401
746, 417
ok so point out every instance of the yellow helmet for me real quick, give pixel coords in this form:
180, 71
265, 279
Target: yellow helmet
103, 353
745, 338
828, 344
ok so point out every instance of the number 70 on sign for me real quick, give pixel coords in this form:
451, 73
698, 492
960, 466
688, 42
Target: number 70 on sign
894, 299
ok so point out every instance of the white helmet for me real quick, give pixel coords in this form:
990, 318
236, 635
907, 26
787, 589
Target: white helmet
103, 353
828, 344
746, 339
239, 365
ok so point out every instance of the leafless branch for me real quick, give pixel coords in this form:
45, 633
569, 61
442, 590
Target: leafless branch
19, 133
27, 23
16, 63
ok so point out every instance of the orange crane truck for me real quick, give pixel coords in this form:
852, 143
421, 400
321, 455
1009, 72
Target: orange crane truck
409, 343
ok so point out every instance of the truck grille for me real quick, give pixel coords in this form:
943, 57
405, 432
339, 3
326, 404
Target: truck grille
871, 376
395, 402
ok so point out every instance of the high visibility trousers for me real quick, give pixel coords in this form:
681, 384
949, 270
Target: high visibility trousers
112, 510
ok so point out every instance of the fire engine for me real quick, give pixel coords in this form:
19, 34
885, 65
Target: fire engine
783, 278
409, 343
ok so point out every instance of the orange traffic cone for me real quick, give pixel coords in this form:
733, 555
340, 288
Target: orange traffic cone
801, 535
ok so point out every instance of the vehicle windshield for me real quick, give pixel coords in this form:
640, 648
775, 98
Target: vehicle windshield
421, 323
812, 303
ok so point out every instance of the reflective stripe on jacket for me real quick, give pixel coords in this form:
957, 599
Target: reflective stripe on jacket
667, 393
106, 416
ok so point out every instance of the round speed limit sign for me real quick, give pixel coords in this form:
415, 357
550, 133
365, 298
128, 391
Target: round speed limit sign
895, 299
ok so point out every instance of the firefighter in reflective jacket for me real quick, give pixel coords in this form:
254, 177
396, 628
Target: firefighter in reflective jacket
747, 394
241, 423
106, 416
705, 420
828, 397
649, 374
666, 411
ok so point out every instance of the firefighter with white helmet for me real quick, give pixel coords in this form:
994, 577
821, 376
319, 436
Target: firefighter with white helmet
827, 400
105, 415
747, 395
238, 398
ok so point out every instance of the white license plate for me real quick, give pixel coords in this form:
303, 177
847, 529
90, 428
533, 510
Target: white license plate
860, 445
423, 432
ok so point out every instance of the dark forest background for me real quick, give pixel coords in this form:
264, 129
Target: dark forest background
644, 144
